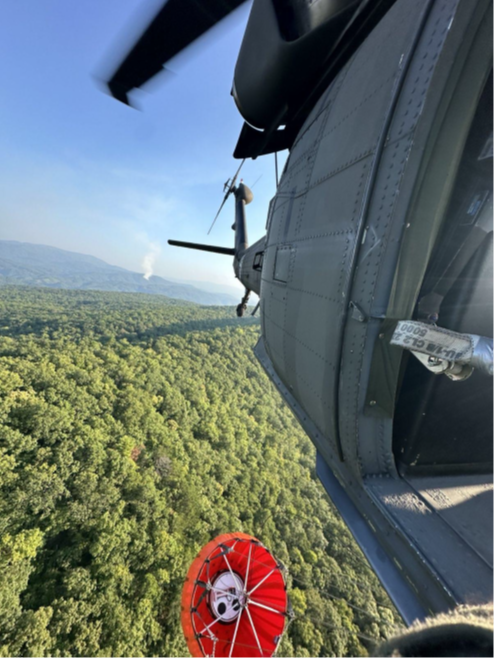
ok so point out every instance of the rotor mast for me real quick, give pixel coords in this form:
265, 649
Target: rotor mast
243, 196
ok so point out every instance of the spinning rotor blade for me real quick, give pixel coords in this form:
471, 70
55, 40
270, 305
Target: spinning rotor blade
228, 192
177, 24
220, 209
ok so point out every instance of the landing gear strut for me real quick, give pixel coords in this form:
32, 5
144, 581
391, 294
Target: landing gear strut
242, 307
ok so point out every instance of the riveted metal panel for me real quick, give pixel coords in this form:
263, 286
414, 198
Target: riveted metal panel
413, 96
329, 212
366, 432
310, 132
317, 211
317, 262
308, 358
347, 191
282, 264
291, 209
355, 122
273, 314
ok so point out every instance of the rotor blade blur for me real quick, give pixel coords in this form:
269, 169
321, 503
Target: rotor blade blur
220, 209
236, 174
228, 192
176, 25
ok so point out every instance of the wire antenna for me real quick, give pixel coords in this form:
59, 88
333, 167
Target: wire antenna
257, 180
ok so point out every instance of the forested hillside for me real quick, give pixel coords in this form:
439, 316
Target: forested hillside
132, 431
38, 265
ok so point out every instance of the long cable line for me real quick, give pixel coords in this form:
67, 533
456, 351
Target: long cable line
349, 631
350, 605
334, 596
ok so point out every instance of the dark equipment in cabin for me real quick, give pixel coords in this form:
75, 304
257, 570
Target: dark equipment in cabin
375, 274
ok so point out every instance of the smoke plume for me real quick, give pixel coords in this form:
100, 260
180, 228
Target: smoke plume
149, 259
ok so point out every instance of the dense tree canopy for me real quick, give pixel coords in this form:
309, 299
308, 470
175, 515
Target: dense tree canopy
134, 429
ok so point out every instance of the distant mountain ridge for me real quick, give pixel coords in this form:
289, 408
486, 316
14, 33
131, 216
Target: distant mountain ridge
24, 263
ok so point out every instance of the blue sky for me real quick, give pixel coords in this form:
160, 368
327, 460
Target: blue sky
80, 171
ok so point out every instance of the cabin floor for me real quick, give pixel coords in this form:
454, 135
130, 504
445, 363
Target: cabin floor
448, 522
464, 502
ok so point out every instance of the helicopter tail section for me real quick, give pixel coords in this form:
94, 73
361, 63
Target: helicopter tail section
202, 247
247, 261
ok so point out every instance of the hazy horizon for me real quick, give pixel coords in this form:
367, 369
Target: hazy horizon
232, 287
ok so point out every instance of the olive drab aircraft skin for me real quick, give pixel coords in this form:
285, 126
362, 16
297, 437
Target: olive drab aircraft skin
376, 264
